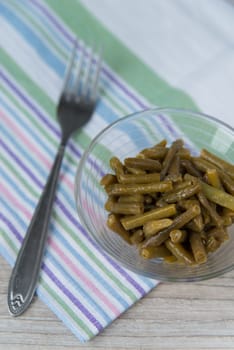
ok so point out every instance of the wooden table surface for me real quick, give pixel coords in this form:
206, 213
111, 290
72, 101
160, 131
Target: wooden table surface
172, 316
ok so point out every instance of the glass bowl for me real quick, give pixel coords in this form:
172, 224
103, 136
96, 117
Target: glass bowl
125, 138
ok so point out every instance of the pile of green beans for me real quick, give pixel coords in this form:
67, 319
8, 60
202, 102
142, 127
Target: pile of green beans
169, 204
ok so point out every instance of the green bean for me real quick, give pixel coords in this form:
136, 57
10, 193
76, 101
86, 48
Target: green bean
227, 220
154, 252
162, 143
145, 164
124, 208
181, 185
202, 164
190, 168
139, 179
206, 217
228, 212
108, 179
197, 223
212, 244
217, 161
184, 153
206, 166
129, 189
154, 152
183, 193
176, 145
151, 227
227, 182
219, 233
134, 198
179, 252
213, 178
137, 236
114, 224
198, 248
218, 196
213, 213
178, 236
116, 165
135, 171
214, 194
157, 213
178, 222
174, 171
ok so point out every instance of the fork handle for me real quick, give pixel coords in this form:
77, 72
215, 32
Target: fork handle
24, 277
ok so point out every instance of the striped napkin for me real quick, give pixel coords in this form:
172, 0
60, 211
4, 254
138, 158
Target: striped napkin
85, 288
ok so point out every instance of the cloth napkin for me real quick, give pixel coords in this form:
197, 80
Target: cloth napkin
84, 287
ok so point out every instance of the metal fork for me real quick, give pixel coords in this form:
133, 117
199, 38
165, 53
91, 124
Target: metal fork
75, 108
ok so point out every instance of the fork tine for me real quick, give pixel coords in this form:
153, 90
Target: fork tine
94, 91
88, 74
78, 72
69, 68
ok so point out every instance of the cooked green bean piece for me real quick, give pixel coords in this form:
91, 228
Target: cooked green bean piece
135, 171
228, 212
174, 171
219, 233
155, 252
154, 153
116, 165
206, 217
134, 198
213, 213
214, 194
183, 193
212, 244
151, 227
157, 213
179, 252
108, 179
129, 189
227, 220
145, 164
125, 208
184, 153
139, 179
213, 178
177, 223
174, 168
198, 248
220, 163
190, 168
207, 167
114, 224
178, 236
197, 223
227, 182
181, 185
218, 196
187, 203
162, 143
176, 145
202, 164
137, 236
161, 202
